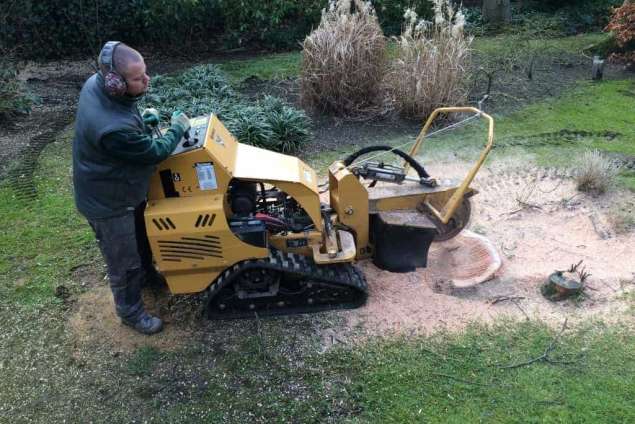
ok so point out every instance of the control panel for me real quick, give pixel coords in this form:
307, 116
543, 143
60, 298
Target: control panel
195, 137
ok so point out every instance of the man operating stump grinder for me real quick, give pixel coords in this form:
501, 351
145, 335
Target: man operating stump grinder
114, 155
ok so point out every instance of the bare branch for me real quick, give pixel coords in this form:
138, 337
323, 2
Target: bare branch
545, 356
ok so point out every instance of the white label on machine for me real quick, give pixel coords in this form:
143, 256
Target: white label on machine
201, 120
206, 176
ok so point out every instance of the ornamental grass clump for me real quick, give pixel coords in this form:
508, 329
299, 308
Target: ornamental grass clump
595, 173
344, 61
431, 63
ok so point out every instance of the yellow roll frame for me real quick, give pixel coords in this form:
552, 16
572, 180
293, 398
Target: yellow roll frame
448, 209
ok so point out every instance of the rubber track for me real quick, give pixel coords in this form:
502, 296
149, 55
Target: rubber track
343, 275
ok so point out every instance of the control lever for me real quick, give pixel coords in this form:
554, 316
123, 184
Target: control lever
187, 142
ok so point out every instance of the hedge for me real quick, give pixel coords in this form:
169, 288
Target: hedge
62, 28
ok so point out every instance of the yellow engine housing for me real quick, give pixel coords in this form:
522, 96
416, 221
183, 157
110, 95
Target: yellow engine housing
187, 205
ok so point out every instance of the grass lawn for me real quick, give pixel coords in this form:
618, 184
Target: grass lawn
269, 67
272, 371
46, 238
558, 130
477, 376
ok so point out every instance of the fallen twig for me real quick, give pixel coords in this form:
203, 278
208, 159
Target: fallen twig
515, 302
528, 205
498, 299
545, 356
512, 212
553, 189
438, 355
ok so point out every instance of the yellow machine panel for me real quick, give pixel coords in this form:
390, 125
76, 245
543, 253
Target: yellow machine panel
191, 235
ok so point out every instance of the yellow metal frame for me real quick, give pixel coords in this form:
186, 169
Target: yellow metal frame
448, 209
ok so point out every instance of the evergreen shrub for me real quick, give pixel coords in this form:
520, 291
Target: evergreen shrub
269, 123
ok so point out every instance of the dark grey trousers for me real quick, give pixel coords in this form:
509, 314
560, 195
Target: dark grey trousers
124, 246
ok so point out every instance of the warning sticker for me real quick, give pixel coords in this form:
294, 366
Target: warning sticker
206, 176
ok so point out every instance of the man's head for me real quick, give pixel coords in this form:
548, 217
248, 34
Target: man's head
129, 63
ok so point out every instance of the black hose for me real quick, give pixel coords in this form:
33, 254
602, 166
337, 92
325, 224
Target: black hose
405, 156
263, 194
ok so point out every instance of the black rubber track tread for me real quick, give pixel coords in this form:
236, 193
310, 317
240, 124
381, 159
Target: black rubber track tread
331, 277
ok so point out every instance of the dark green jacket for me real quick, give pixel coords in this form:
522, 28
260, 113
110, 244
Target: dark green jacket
114, 154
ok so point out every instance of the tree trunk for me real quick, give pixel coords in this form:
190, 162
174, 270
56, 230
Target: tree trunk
497, 11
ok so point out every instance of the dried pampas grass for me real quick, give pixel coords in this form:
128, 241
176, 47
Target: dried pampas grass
431, 64
344, 61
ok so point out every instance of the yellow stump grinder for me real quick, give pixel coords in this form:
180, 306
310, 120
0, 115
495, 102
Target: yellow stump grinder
248, 225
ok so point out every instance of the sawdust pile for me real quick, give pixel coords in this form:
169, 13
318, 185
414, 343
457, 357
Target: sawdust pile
538, 222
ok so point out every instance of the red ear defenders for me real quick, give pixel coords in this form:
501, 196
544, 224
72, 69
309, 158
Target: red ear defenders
114, 83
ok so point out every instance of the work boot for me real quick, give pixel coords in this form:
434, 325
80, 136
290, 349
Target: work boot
145, 324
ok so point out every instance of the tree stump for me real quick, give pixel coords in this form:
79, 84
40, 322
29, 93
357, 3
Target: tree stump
597, 70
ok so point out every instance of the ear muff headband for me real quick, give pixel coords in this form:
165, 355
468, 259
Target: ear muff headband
114, 83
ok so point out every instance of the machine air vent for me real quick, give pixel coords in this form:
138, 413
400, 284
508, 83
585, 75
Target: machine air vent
205, 220
190, 248
164, 224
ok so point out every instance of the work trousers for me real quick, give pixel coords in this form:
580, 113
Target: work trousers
123, 243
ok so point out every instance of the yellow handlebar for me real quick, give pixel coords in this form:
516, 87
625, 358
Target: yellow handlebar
453, 202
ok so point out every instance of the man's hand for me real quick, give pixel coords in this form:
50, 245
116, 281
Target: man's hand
179, 119
151, 117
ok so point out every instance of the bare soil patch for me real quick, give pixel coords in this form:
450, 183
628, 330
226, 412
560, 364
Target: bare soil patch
94, 321
56, 86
